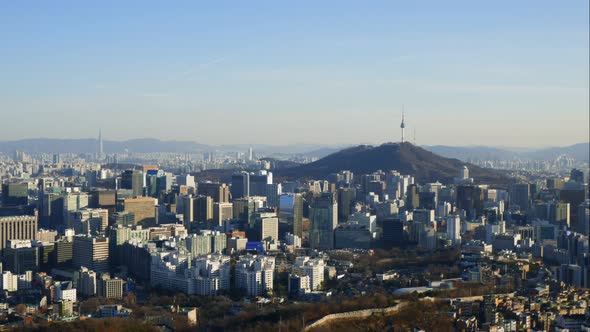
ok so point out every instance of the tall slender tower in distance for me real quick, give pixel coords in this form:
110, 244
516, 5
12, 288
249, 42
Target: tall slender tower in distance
100, 146
403, 125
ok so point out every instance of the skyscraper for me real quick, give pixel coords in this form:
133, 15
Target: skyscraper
470, 199
100, 146
346, 199
393, 233
454, 229
240, 185
131, 179
324, 219
291, 213
520, 194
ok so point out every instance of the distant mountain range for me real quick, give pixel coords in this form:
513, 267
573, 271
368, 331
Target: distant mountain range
580, 152
146, 145
406, 158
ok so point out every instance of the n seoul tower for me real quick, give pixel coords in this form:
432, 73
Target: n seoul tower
403, 124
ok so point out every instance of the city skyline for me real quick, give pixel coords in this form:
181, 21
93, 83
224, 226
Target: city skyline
468, 73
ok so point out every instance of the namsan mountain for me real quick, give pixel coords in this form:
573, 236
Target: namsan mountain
405, 157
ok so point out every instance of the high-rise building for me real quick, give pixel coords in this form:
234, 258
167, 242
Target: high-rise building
577, 175
250, 154
17, 228
91, 252
100, 146
346, 200
584, 218
470, 199
110, 288
454, 229
218, 191
198, 245
90, 221
14, 194
255, 274
559, 213
132, 179
244, 208
222, 212
103, 199
20, 256
186, 180
313, 268
291, 214
212, 274
143, 208
268, 227
240, 185
63, 253
203, 208
413, 200
520, 195
259, 182
324, 219
273, 194
393, 233
87, 282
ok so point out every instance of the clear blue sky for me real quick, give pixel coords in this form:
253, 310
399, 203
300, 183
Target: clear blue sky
504, 73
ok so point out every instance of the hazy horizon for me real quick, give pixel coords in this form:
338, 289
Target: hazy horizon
515, 148
498, 74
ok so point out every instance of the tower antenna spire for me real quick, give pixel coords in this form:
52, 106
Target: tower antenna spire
403, 124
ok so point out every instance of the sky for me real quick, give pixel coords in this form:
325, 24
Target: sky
497, 73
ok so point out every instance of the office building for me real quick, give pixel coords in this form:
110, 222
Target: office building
520, 195
143, 209
218, 191
259, 182
87, 282
240, 185
454, 229
203, 209
91, 252
133, 180
266, 225
110, 288
90, 221
14, 194
222, 212
413, 197
393, 233
17, 228
471, 200
324, 219
20, 256
291, 214
346, 200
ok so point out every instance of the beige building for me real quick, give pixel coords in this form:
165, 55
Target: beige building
144, 209
17, 228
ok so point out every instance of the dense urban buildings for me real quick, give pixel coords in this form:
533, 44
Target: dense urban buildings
74, 231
